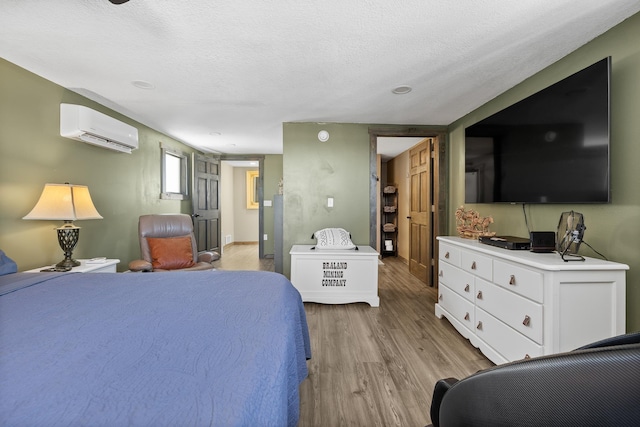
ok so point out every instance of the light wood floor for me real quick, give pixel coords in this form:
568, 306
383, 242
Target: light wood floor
375, 366
243, 257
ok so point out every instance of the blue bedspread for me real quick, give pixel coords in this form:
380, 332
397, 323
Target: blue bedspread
202, 348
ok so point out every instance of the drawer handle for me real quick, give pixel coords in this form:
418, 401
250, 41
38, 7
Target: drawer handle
473, 265
526, 321
441, 274
440, 297
526, 356
466, 316
446, 255
466, 288
479, 325
512, 280
479, 295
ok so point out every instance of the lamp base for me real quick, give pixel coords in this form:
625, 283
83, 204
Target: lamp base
68, 263
68, 236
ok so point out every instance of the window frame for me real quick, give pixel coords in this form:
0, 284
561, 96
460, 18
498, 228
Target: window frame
184, 174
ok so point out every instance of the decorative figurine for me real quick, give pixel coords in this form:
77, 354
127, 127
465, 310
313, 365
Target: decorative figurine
470, 225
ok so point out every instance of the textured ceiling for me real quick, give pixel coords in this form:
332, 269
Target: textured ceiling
227, 74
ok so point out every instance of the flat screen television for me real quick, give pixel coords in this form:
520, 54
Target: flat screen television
551, 147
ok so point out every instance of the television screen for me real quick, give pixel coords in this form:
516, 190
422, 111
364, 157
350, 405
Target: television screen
552, 147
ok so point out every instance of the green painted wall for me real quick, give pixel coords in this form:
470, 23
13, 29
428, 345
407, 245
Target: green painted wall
32, 153
612, 229
315, 171
272, 176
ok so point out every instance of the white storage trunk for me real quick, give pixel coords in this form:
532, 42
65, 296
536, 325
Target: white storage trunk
335, 276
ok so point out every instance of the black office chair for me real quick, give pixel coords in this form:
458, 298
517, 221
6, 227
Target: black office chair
595, 385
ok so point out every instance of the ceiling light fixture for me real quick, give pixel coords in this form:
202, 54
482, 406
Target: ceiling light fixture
141, 84
402, 90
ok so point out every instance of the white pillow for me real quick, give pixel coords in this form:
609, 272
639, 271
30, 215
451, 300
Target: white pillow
333, 238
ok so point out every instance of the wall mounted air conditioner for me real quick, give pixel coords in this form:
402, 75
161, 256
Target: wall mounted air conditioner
84, 124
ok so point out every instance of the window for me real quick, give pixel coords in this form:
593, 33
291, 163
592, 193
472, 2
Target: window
174, 174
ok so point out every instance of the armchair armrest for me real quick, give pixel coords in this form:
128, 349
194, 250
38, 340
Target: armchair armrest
140, 265
441, 387
208, 256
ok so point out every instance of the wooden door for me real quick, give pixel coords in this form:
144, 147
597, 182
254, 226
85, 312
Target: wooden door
206, 202
420, 219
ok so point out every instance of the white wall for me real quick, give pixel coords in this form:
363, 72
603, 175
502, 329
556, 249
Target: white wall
226, 201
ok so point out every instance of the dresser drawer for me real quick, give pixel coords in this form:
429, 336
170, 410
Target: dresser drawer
459, 281
461, 309
477, 264
511, 344
449, 253
523, 315
528, 283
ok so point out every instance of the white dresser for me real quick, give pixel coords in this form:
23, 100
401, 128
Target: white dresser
335, 276
517, 304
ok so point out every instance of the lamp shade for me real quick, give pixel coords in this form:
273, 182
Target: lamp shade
64, 202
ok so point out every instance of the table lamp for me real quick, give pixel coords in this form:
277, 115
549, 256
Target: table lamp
68, 203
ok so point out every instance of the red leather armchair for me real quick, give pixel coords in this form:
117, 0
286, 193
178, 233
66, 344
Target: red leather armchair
167, 243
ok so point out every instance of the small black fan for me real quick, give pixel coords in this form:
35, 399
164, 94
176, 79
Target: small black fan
569, 235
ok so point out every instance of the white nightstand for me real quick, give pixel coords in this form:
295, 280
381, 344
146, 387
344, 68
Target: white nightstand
107, 266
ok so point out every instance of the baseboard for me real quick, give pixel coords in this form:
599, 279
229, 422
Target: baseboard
403, 260
238, 243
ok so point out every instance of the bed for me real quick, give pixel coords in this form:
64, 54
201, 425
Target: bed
217, 348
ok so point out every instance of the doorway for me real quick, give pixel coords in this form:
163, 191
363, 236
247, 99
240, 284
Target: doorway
421, 209
429, 197
242, 215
